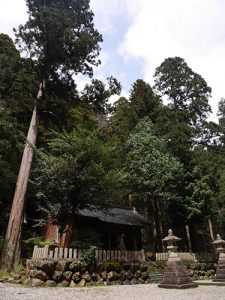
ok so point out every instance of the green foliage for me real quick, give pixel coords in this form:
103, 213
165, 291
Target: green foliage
10, 150
96, 95
185, 89
79, 158
143, 101
17, 82
183, 121
126, 113
37, 241
79, 169
149, 169
112, 265
61, 36
199, 204
29, 243
88, 256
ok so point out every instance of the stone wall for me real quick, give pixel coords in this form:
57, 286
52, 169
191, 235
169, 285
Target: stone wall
65, 273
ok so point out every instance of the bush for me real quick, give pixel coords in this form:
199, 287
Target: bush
88, 256
112, 265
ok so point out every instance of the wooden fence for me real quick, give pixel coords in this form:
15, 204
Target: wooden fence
196, 257
101, 255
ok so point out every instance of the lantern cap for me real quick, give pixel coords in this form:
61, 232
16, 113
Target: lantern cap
171, 237
218, 240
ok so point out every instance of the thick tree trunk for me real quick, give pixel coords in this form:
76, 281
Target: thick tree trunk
11, 250
157, 226
188, 238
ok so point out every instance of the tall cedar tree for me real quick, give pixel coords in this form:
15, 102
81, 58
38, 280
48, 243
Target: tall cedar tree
150, 172
183, 120
60, 37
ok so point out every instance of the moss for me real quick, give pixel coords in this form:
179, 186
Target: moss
4, 274
112, 265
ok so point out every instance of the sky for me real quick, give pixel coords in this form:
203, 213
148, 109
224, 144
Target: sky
140, 34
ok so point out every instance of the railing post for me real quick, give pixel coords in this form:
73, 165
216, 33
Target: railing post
35, 252
45, 254
70, 253
56, 253
65, 253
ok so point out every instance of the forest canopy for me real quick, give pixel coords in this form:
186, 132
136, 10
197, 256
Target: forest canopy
163, 157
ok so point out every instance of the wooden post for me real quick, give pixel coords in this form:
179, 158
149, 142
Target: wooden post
56, 253
70, 253
46, 251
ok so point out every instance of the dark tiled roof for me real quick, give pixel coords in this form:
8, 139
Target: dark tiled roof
118, 216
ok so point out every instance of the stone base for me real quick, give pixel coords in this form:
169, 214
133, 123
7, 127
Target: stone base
176, 275
178, 286
220, 270
219, 280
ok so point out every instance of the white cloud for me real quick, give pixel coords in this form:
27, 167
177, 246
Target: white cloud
194, 30
12, 14
106, 12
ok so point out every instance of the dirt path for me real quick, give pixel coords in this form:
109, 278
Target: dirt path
135, 292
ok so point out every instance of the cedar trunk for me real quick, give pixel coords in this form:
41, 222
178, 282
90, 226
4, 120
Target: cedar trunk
158, 227
211, 229
11, 250
188, 238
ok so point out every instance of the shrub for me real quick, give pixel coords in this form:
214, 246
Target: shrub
88, 256
112, 265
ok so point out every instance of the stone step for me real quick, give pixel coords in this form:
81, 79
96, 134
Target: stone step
155, 273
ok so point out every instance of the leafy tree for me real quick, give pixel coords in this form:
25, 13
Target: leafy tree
78, 170
96, 95
203, 198
61, 41
184, 89
17, 82
150, 172
61, 36
126, 113
120, 124
10, 150
184, 118
221, 115
143, 101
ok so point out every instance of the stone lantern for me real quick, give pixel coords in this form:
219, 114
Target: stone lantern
219, 243
171, 241
176, 274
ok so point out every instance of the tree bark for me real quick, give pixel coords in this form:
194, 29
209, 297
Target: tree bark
188, 238
11, 250
211, 229
157, 226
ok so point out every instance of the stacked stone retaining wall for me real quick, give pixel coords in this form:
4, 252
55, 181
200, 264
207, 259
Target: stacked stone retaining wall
63, 273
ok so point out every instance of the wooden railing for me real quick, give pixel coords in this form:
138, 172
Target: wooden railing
197, 257
101, 255
122, 256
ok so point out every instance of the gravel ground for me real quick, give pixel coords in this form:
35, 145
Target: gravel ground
140, 292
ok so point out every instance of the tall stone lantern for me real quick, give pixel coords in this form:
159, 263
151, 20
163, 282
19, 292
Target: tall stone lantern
176, 274
219, 243
171, 241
